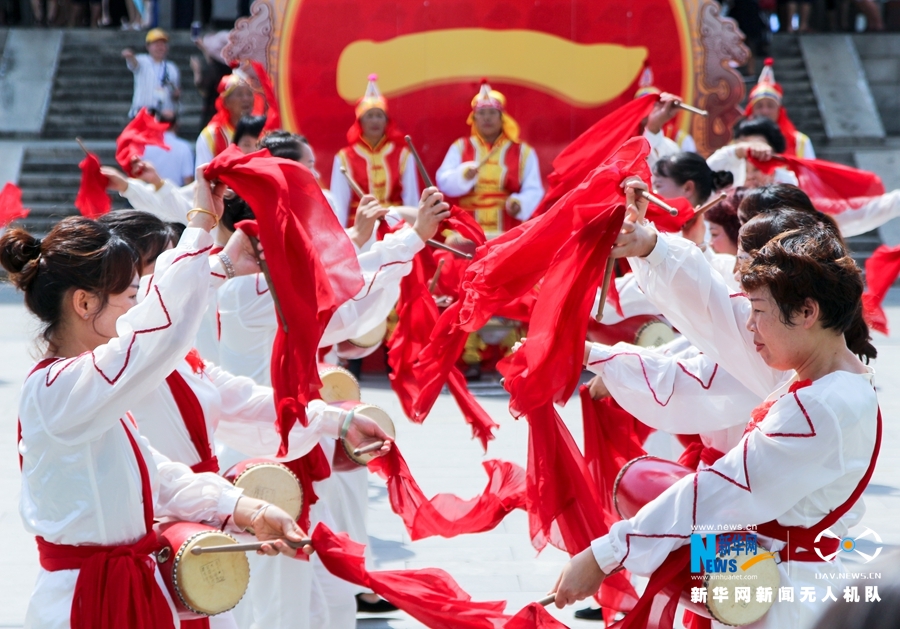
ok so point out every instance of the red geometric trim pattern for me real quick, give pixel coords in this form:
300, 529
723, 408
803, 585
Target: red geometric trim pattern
647, 379
261, 292
134, 336
372, 283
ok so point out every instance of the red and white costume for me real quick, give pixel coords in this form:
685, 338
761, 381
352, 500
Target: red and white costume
387, 170
821, 437
510, 172
81, 475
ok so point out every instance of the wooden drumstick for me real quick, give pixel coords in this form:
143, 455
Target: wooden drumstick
487, 157
83, 147
353, 185
547, 600
372, 447
456, 252
604, 290
412, 149
432, 285
655, 200
700, 210
238, 548
265, 269
693, 110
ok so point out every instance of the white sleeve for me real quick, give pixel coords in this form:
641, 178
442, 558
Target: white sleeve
204, 154
675, 394
383, 266
450, 178
725, 159
532, 190
688, 145
870, 216
808, 150
660, 146
93, 390
341, 192
632, 300
184, 495
745, 487
411, 193
247, 419
164, 203
695, 299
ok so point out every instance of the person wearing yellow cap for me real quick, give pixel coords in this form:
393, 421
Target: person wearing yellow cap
494, 174
235, 100
157, 82
766, 101
375, 157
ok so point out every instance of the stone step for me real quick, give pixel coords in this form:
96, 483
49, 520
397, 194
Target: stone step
60, 194
47, 180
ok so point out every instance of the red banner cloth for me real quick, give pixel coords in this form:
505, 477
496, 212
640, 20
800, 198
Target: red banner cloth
447, 515
833, 188
11, 204
429, 595
593, 147
301, 238
92, 200
416, 317
143, 130
882, 269
273, 113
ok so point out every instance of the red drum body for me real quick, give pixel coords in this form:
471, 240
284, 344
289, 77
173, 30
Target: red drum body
362, 346
642, 480
269, 481
344, 460
200, 585
643, 331
338, 384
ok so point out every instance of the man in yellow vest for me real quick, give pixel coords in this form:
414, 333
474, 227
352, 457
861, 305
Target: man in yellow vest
492, 173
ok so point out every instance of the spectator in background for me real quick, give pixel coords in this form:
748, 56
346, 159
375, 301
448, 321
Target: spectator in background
77, 11
176, 164
790, 8
156, 81
48, 18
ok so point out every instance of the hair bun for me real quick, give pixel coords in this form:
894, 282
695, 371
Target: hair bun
722, 179
17, 249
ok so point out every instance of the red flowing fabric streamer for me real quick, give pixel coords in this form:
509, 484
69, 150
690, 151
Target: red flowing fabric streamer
416, 317
593, 147
882, 269
833, 188
429, 595
564, 504
143, 130
11, 206
92, 200
612, 437
447, 515
273, 113
302, 238
511, 265
548, 366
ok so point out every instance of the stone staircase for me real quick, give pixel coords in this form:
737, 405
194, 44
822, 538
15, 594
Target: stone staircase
50, 178
93, 87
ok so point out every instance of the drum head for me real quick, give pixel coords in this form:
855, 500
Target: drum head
372, 338
382, 419
212, 583
338, 385
273, 483
756, 570
654, 334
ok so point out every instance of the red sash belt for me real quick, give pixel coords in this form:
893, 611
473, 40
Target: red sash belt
194, 421
696, 452
209, 465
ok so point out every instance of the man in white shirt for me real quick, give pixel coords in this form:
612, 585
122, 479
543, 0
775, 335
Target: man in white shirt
176, 164
157, 82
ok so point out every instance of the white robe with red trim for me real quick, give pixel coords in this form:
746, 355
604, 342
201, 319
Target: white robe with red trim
799, 463
80, 479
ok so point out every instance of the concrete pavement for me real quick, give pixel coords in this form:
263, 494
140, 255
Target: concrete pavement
496, 565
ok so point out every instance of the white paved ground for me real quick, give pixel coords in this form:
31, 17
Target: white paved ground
499, 564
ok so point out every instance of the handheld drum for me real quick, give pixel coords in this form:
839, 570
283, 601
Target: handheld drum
644, 479
338, 384
200, 585
344, 459
363, 345
643, 331
269, 481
